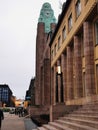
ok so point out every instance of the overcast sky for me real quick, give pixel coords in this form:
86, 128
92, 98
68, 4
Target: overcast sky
18, 24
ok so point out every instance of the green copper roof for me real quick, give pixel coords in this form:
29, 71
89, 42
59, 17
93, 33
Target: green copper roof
47, 16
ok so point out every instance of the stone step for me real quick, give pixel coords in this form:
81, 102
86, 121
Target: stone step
86, 112
74, 126
83, 118
88, 117
92, 103
41, 128
49, 127
89, 108
59, 126
81, 121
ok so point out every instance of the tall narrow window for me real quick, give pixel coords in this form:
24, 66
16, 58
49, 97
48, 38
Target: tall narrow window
59, 42
63, 33
97, 76
96, 31
52, 55
82, 45
78, 8
55, 49
70, 22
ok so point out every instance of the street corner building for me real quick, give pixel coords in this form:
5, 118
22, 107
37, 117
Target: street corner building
67, 61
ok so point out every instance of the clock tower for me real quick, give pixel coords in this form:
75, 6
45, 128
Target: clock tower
47, 16
46, 23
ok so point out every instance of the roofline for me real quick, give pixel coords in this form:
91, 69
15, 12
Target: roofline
64, 10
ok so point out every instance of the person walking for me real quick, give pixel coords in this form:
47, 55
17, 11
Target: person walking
1, 117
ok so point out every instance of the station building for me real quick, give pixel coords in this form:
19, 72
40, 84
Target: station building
74, 55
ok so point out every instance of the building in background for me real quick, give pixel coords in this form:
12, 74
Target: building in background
6, 96
19, 103
30, 94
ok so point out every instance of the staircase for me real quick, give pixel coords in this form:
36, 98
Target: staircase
85, 118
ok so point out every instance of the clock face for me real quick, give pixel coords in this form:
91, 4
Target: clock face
47, 14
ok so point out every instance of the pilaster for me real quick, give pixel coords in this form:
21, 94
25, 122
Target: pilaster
64, 74
69, 74
89, 59
78, 68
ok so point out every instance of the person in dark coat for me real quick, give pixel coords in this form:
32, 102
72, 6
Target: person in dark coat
1, 117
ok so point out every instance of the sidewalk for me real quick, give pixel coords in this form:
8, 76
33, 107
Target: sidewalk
13, 122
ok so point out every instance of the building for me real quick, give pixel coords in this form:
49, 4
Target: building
73, 62
74, 56
6, 95
46, 23
19, 103
30, 93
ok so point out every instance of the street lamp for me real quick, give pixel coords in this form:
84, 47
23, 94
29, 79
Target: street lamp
58, 69
59, 83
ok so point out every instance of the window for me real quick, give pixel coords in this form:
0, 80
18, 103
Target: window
64, 34
97, 75
70, 22
55, 49
52, 55
78, 8
59, 42
82, 45
96, 31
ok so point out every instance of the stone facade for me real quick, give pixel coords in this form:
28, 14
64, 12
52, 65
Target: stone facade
77, 55
69, 76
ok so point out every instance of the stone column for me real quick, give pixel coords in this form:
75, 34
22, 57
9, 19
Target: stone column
69, 74
64, 75
89, 59
78, 67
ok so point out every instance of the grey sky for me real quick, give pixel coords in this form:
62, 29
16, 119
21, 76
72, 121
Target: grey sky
18, 24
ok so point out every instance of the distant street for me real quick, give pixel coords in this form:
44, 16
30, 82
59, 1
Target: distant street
14, 122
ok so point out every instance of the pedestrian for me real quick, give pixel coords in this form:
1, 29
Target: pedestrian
1, 117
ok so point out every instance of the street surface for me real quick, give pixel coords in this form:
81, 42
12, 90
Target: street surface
14, 122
